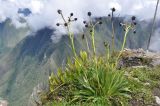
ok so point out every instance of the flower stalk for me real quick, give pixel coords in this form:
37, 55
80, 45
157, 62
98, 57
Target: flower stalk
127, 29
67, 24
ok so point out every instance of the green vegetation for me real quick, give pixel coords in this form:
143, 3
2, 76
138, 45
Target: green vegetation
143, 85
31, 61
95, 80
89, 81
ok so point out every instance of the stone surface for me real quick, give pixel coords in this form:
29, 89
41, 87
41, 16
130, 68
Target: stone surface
3, 103
35, 98
139, 57
157, 100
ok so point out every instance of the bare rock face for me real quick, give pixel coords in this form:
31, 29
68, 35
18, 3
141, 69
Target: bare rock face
3, 103
35, 98
139, 57
157, 100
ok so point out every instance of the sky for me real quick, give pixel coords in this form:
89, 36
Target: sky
44, 12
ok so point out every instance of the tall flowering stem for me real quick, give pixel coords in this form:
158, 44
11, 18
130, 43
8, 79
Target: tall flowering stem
113, 34
93, 41
127, 27
113, 37
91, 25
71, 36
67, 24
123, 45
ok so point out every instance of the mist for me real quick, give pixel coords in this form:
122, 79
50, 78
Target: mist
44, 12
155, 41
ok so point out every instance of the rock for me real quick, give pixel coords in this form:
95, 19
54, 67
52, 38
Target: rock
147, 84
157, 100
136, 79
140, 67
35, 98
156, 92
3, 103
139, 57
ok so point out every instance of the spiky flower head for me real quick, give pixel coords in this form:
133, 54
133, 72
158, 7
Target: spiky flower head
84, 22
58, 24
100, 22
133, 18
71, 14
75, 19
113, 9
135, 23
86, 26
65, 24
59, 11
89, 14
134, 32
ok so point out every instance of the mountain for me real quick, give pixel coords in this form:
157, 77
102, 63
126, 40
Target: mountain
30, 64
10, 36
33, 58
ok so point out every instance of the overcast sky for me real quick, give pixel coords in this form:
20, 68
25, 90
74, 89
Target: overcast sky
44, 12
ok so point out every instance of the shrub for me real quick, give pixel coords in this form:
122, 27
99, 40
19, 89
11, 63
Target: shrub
88, 81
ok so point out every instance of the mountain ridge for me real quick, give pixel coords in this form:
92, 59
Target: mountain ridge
36, 56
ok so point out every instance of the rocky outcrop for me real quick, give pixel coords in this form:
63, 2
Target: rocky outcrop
3, 102
35, 98
139, 57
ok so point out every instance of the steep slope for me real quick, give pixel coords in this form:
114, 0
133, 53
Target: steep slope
30, 65
10, 35
9, 38
36, 56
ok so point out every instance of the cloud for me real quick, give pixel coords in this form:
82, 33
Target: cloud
155, 41
44, 12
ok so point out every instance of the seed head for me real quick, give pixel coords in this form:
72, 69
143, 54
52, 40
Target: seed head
113, 9
71, 14
100, 22
89, 14
59, 11
135, 23
133, 18
86, 26
65, 24
109, 15
57, 24
84, 22
75, 19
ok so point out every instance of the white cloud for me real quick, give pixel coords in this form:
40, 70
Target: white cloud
116, 5
36, 6
44, 12
155, 41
